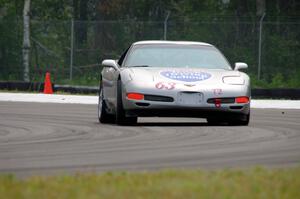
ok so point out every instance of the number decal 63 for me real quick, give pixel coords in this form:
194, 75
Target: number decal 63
164, 85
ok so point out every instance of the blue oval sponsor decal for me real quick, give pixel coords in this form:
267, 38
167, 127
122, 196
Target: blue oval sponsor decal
185, 76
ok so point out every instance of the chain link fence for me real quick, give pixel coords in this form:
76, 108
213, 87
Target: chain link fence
72, 50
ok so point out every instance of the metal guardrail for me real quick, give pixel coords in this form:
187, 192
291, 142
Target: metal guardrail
273, 93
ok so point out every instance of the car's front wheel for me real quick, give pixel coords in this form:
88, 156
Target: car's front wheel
103, 116
243, 121
240, 121
121, 117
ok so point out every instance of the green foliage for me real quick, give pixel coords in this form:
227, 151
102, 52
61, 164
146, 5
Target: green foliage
51, 10
228, 183
278, 80
10, 50
113, 25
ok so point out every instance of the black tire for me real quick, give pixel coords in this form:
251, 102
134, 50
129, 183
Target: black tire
244, 121
103, 116
121, 118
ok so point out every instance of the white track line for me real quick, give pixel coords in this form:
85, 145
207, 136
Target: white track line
81, 99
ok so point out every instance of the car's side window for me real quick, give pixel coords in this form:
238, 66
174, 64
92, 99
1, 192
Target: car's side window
121, 59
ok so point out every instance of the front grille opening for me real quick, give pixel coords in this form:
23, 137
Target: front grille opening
158, 98
142, 104
236, 107
227, 100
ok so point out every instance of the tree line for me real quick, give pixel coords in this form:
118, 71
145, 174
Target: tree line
231, 25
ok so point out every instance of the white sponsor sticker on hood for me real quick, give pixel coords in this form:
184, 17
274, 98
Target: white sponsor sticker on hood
185, 75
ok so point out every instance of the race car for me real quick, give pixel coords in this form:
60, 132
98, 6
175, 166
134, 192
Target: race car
173, 79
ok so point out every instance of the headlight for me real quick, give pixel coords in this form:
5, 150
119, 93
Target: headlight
234, 80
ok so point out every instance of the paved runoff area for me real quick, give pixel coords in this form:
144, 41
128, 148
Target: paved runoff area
63, 135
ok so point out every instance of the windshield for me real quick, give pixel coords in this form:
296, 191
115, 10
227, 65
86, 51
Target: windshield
178, 56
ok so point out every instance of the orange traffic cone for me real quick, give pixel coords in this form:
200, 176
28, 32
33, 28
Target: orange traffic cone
47, 85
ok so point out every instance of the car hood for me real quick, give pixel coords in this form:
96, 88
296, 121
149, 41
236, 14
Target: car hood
179, 75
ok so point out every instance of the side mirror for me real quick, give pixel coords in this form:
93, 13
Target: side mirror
240, 65
110, 63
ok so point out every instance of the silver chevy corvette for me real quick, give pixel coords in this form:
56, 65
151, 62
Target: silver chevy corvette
173, 79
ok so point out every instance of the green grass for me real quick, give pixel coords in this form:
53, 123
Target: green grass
246, 184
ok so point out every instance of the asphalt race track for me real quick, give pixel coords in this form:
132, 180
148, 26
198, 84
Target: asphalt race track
41, 138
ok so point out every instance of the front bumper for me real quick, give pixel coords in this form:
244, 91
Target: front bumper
176, 108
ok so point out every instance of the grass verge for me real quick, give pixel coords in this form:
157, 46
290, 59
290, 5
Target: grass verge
247, 184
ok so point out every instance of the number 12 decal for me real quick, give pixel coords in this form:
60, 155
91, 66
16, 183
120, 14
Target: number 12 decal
167, 86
